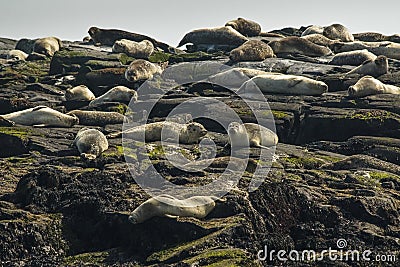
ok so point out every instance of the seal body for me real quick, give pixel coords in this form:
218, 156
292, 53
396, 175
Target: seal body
284, 84
134, 49
353, 58
338, 32
141, 69
299, 45
368, 85
235, 77
216, 36
47, 46
188, 133
319, 39
118, 93
166, 205
376, 37
90, 143
17, 55
79, 93
41, 116
374, 68
251, 134
246, 27
97, 118
313, 29
388, 49
109, 36
252, 50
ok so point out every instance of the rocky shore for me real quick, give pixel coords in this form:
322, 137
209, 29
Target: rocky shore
336, 174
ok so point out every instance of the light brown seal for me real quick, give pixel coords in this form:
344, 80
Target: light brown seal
353, 58
368, 85
251, 135
374, 68
41, 116
17, 55
79, 93
319, 39
169, 206
189, 133
90, 143
300, 46
97, 118
118, 93
47, 46
134, 49
313, 29
215, 36
246, 27
252, 50
141, 69
338, 32
376, 37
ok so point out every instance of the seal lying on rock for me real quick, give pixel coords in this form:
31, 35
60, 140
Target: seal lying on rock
79, 93
134, 49
284, 84
235, 77
338, 32
41, 116
141, 69
189, 133
246, 27
116, 94
16, 54
374, 68
313, 29
299, 45
251, 134
354, 58
90, 143
109, 36
252, 50
376, 37
319, 39
169, 206
388, 49
97, 118
47, 46
368, 85
216, 36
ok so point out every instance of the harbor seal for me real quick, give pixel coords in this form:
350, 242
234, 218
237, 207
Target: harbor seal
353, 58
215, 36
169, 206
47, 46
284, 84
97, 118
41, 116
253, 50
313, 29
338, 32
251, 134
118, 93
79, 93
109, 36
90, 143
141, 69
376, 37
388, 49
319, 39
368, 85
299, 45
374, 68
234, 78
246, 27
189, 133
134, 49
16, 55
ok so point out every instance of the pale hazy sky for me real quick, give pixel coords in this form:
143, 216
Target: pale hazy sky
169, 20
